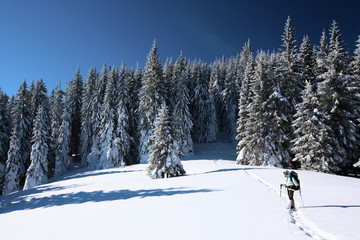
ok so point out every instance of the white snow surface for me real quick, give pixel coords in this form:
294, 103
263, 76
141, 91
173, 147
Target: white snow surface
216, 199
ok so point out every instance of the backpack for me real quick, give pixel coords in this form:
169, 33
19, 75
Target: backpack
294, 175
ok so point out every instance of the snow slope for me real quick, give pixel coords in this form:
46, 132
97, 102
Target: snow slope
217, 199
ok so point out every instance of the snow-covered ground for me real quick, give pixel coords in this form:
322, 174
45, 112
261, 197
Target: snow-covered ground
217, 199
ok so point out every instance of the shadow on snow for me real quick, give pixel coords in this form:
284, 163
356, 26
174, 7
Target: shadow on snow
15, 202
333, 206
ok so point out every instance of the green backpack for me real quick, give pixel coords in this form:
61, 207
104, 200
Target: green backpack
294, 175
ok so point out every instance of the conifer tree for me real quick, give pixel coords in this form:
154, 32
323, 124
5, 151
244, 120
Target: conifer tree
134, 83
245, 58
75, 103
168, 78
205, 122
182, 122
19, 149
56, 112
150, 100
338, 57
216, 88
63, 154
355, 64
92, 160
108, 150
122, 140
337, 104
87, 113
243, 113
164, 158
322, 54
314, 139
230, 98
307, 60
4, 135
38, 170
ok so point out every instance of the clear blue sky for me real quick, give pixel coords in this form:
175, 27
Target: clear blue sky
49, 38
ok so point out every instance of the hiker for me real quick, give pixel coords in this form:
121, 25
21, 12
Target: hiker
291, 185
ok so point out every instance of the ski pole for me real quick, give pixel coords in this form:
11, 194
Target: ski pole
280, 194
301, 197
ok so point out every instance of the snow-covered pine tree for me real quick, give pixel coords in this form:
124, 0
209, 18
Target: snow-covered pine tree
321, 55
87, 112
39, 95
56, 112
123, 139
257, 127
339, 101
93, 157
246, 57
164, 158
243, 115
307, 60
4, 135
181, 117
216, 87
102, 84
230, 98
63, 158
355, 64
314, 139
74, 101
108, 150
150, 100
134, 83
205, 122
19, 149
277, 124
168, 78
37, 172
338, 55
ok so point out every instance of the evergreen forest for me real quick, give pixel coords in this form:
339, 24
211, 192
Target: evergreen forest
298, 108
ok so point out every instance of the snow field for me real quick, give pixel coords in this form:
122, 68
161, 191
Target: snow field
217, 199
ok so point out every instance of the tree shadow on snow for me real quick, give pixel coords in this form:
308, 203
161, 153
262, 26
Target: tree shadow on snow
15, 202
333, 206
98, 173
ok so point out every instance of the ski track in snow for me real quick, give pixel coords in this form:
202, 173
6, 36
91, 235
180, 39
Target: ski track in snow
296, 217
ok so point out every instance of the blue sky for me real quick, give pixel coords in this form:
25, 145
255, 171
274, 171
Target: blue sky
49, 39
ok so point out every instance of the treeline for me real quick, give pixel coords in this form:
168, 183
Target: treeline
298, 108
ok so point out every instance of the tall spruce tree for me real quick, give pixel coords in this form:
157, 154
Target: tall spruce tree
230, 98
307, 60
19, 149
56, 111
168, 78
180, 107
322, 54
134, 83
87, 113
63, 158
4, 135
338, 103
205, 122
164, 158
243, 114
355, 64
37, 172
150, 100
108, 150
75, 104
123, 138
314, 139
